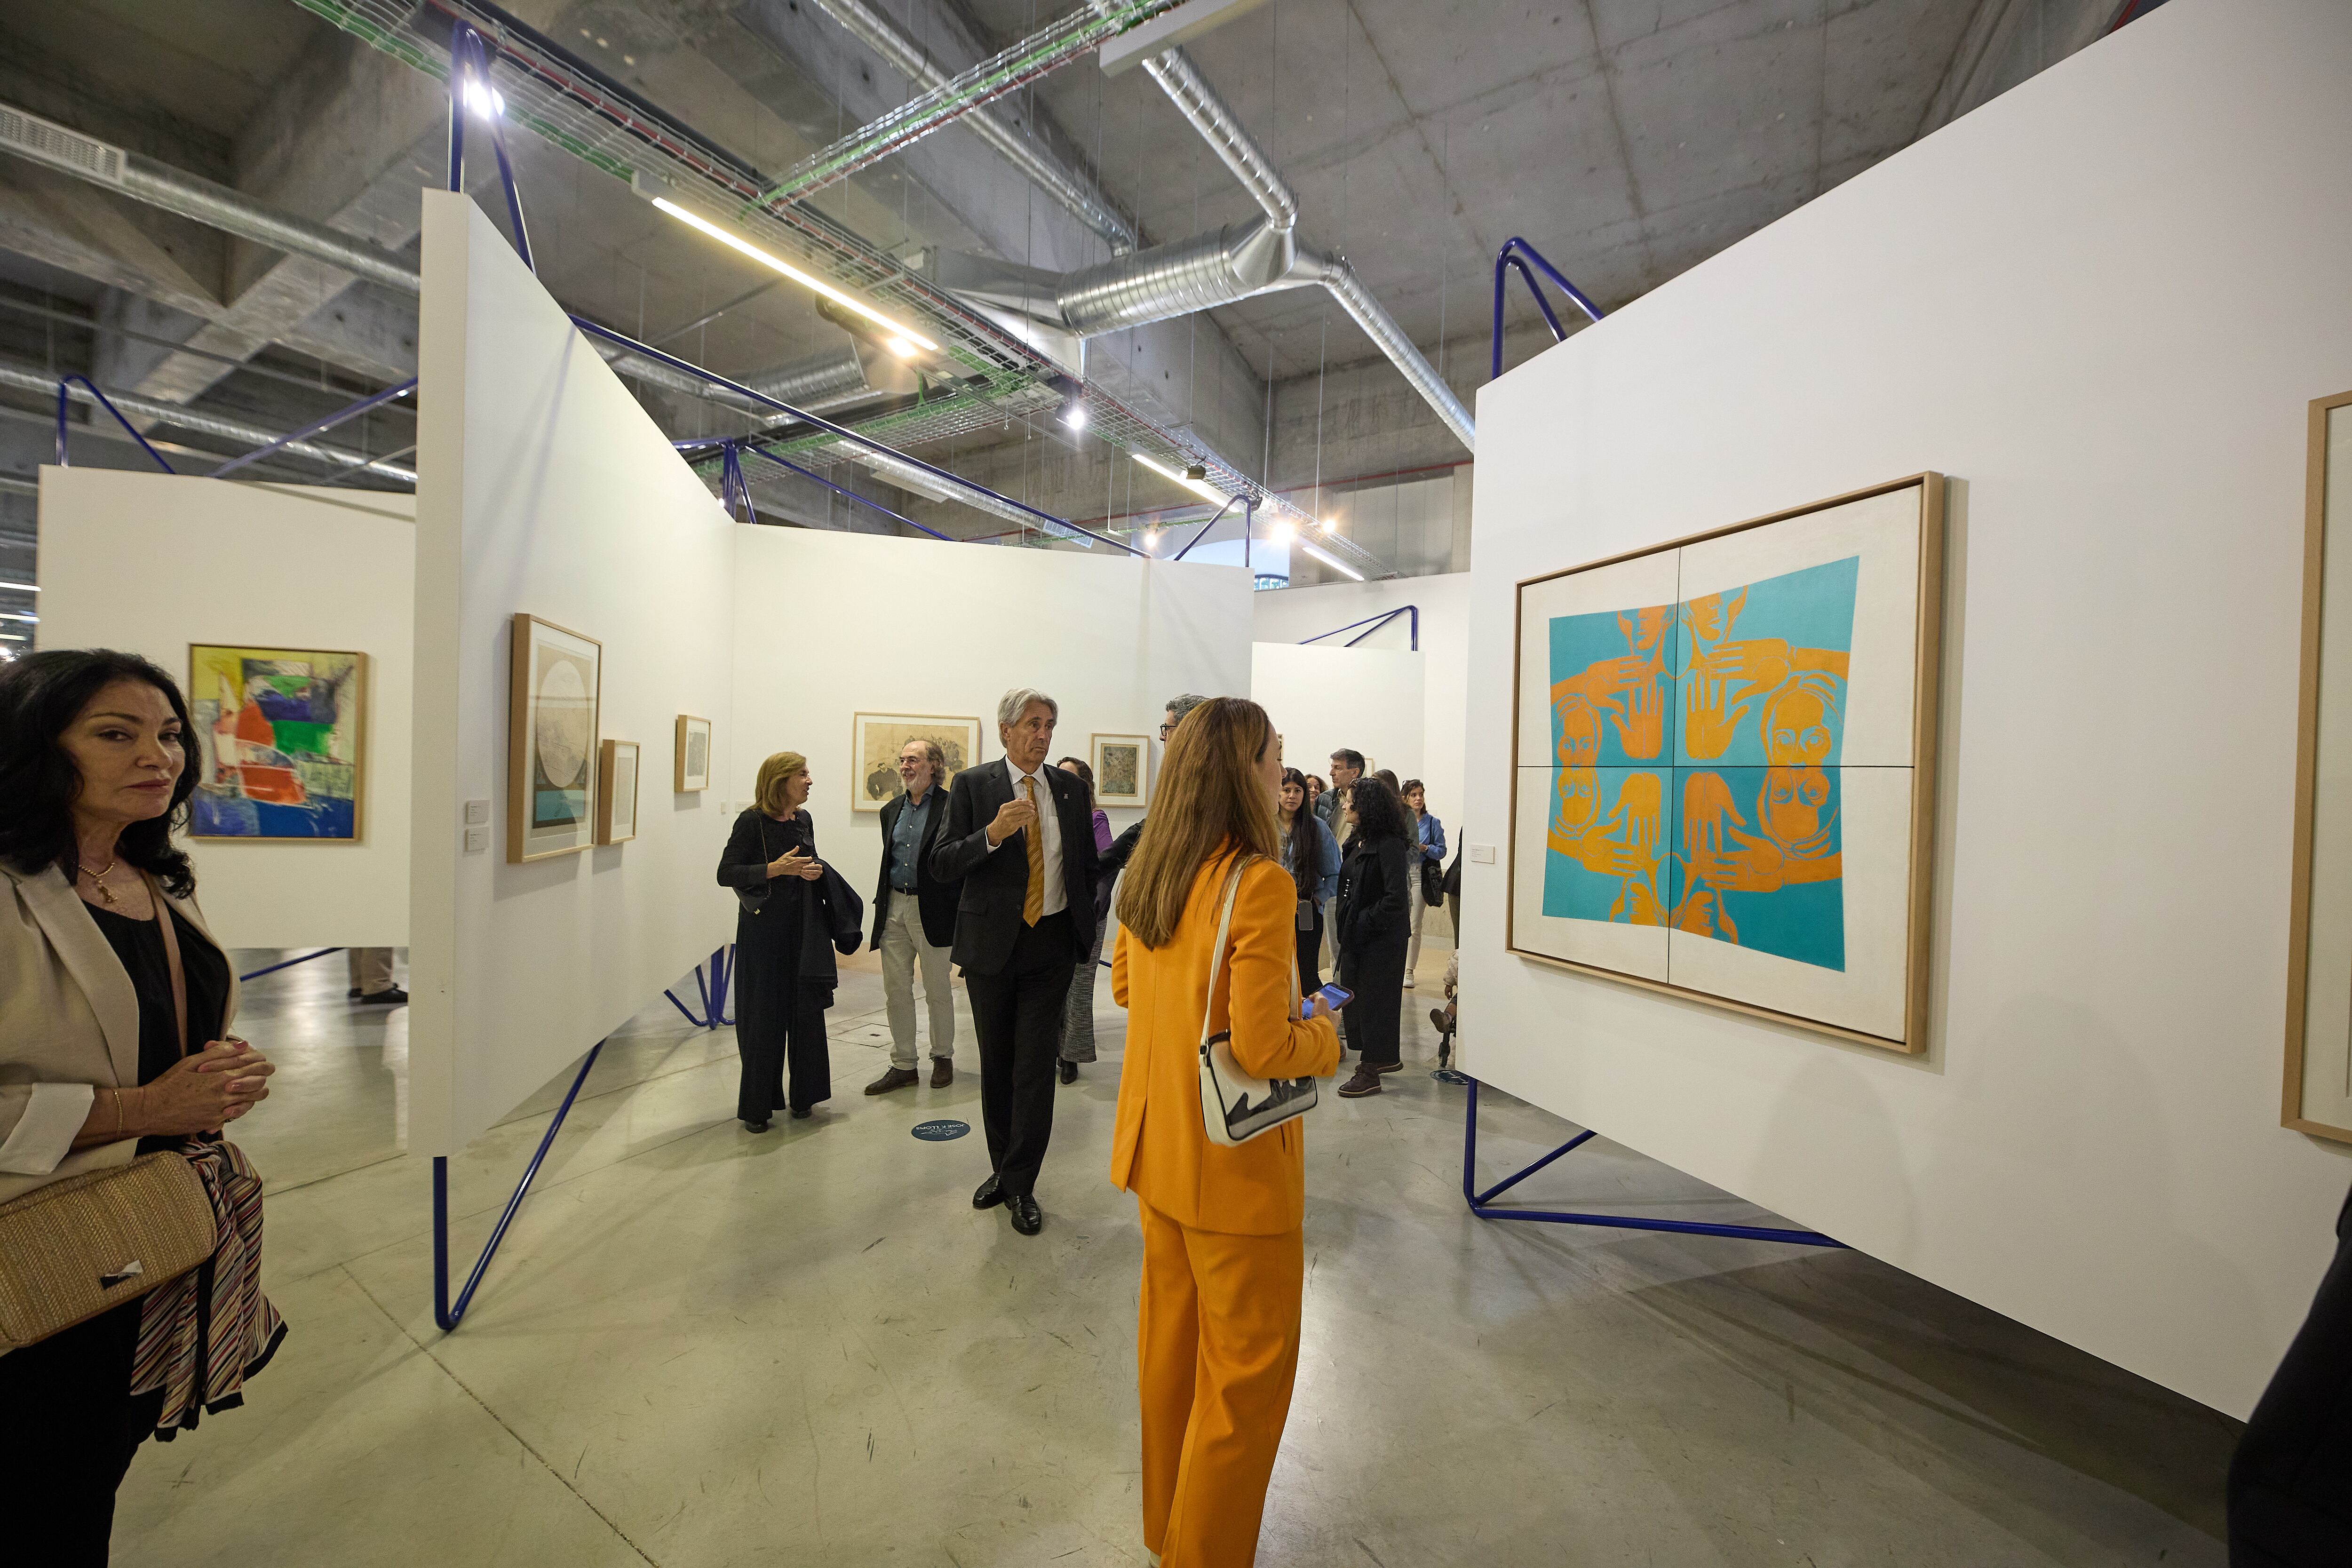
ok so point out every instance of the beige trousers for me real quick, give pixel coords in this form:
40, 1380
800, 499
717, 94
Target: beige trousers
903, 947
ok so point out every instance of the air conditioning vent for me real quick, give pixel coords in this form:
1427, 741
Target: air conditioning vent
53, 144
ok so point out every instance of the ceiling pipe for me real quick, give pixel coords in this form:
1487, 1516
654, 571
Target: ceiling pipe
1080, 195
28, 378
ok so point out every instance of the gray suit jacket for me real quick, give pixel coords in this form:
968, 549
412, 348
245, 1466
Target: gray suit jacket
68, 1026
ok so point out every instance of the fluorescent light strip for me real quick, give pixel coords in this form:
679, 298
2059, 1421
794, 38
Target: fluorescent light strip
1335, 565
14, 615
1200, 488
23, 587
795, 274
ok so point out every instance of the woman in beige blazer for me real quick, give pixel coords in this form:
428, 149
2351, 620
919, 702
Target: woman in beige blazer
95, 752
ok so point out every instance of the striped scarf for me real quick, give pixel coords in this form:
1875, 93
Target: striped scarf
200, 1336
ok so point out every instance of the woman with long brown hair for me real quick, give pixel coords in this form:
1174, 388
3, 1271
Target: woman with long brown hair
1223, 1249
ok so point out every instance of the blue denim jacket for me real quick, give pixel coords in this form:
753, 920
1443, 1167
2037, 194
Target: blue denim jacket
1433, 836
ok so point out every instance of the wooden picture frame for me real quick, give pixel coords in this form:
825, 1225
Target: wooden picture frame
1125, 759
277, 787
2319, 1005
618, 777
690, 760
876, 739
1901, 627
555, 685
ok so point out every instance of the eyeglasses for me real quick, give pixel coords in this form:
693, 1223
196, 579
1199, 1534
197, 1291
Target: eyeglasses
1166, 730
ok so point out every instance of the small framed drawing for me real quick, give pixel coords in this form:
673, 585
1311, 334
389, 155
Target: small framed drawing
278, 737
616, 792
553, 684
693, 756
1122, 765
877, 739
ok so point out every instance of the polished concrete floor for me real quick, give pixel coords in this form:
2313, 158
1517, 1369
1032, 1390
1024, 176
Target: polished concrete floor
701, 1347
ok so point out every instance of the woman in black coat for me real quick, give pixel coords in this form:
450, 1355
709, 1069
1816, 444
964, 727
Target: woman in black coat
1376, 878
782, 988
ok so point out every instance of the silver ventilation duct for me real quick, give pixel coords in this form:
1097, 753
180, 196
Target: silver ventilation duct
1056, 179
1198, 101
1336, 276
815, 382
1177, 279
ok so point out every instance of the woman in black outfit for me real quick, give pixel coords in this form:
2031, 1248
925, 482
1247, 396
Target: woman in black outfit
781, 992
1376, 874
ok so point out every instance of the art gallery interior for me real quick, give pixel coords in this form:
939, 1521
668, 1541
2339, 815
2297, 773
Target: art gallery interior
1764, 466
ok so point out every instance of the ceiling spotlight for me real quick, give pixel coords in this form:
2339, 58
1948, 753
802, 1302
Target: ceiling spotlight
1283, 534
902, 348
1330, 525
1206, 492
1151, 539
734, 241
487, 102
1074, 417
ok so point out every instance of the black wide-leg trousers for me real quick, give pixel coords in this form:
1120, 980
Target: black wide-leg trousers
1017, 1014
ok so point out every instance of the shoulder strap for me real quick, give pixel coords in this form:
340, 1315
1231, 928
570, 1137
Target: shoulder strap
1217, 951
169, 927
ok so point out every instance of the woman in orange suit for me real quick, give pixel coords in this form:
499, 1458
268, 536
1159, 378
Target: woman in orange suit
1224, 1253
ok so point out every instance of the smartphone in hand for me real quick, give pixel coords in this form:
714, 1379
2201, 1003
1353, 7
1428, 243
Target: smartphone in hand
1337, 995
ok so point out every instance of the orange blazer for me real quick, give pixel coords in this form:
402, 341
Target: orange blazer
1160, 1152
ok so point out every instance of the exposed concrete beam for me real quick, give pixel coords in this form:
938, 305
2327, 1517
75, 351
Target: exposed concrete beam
57, 219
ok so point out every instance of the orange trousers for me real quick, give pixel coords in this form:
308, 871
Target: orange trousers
1217, 1348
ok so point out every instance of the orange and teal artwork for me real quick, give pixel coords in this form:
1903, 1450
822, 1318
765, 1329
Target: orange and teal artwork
277, 742
1695, 750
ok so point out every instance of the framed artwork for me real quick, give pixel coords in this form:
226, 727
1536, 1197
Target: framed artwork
2317, 1093
616, 792
553, 684
877, 739
1724, 779
692, 764
278, 737
1122, 765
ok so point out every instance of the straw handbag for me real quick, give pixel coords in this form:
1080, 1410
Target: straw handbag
76, 1247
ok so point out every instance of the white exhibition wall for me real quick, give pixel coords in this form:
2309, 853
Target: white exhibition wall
151, 563
1288, 614
2100, 303
544, 488
1322, 699
831, 624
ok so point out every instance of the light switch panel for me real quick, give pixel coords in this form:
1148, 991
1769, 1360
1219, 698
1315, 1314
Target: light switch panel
477, 841
476, 812
1484, 854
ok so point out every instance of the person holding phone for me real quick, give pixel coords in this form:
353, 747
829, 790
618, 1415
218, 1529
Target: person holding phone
1377, 876
1217, 1327
1429, 839
770, 859
1311, 855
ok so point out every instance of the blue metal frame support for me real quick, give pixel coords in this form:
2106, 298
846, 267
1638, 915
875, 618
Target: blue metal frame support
1518, 253
286, 964
1204, 528
445, 1314
1371, 624
470, 57
758, 451
318, 427
108, 404
713, 991
1479, 1201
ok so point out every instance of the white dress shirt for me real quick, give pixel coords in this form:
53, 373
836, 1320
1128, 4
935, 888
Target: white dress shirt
1049, 826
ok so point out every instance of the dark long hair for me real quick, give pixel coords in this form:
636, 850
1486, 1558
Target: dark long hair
1305, 865
1380, 812
41, 695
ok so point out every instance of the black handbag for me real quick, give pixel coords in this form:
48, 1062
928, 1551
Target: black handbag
754, 900
1432, 881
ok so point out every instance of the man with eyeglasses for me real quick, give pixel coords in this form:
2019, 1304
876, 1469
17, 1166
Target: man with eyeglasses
1115, 859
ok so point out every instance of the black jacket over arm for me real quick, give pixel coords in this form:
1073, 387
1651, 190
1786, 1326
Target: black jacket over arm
996, 881
1375, 882
936, 897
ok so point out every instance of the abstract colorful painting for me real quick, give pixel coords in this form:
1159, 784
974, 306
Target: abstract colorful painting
1121, 769
277, 742
552, 754
1725, 736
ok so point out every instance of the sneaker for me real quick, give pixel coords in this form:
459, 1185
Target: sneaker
1408, 982
942, 1071
1366, 1081
894, 1078
392, 997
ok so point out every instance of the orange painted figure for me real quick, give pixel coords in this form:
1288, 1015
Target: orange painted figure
1631, 689
1791, 845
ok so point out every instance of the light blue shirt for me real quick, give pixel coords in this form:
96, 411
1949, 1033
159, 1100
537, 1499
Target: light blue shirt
907, 840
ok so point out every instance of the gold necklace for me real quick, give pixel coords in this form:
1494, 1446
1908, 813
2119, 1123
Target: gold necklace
99, 877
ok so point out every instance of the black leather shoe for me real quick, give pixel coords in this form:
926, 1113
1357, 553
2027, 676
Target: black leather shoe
1027, 1219
988, 1196
755, 1126
1069, 1071
800, 1113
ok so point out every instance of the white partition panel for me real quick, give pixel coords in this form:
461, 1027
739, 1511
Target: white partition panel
2100, 302
544, 488
1367, 699
831, 624
151, 563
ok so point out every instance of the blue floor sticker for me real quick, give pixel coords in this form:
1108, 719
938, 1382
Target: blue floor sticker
940, 1131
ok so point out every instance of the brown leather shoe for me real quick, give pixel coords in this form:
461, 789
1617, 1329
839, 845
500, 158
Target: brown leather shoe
894, 1078
942, 1072
1366, 1081
1389, 1067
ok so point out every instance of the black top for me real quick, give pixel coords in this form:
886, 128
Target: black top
935, 898
140, 945
1374, 884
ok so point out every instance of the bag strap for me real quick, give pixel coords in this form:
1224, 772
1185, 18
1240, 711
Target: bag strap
1217, 953
166, 923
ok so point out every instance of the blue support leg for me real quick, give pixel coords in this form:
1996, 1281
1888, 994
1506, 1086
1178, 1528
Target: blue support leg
288, 964
444, 1313
1479, 1201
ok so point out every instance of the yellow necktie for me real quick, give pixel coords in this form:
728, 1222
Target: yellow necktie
1033, 907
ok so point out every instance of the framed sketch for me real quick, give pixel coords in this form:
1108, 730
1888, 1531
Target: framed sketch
876, 739
553, 684
1724, 779
691, 766
2318, 1094
279, 742
1122, 765
616, 792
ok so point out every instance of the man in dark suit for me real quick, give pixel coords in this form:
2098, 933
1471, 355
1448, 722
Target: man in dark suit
915, 918
1020, 837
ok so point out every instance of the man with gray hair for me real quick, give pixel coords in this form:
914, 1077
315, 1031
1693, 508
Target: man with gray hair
914, 919
1019, 838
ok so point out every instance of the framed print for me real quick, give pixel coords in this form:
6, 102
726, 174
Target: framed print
691, 764
876, 739
617, 792
1122, 765
279, 742
1724, 771
553, 684
2318, 1094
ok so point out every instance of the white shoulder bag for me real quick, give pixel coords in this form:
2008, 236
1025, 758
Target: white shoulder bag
1235, 1107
